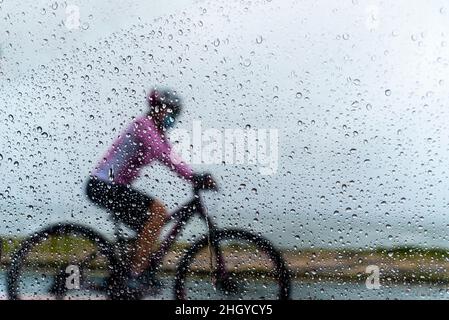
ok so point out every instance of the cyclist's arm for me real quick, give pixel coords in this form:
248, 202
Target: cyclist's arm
172, 160
162, 150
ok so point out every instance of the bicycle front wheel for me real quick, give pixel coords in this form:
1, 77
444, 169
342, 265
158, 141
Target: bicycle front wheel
232, 264
61, 262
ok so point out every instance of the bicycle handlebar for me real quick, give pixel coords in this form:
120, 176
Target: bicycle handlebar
204, 182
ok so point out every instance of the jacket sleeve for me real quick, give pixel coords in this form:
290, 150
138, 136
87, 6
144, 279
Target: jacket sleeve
161, 149
171, 159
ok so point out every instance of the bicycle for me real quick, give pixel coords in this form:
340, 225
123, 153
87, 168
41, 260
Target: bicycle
71, 260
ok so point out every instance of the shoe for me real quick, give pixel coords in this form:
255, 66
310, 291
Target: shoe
147, 281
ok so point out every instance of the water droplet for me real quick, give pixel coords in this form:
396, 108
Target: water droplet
111, 174
388, 92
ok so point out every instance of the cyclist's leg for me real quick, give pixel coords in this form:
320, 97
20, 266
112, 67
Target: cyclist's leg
140, 212
148, 235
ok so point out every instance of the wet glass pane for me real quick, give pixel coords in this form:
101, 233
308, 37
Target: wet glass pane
224, 150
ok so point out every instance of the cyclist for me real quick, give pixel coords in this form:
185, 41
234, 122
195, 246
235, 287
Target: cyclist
141, 143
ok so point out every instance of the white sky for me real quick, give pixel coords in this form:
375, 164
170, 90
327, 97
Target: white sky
357, 167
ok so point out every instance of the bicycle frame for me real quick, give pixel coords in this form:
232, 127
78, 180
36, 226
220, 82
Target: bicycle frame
181, 216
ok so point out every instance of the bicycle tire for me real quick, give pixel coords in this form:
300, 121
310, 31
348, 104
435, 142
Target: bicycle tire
18, 258
284, 276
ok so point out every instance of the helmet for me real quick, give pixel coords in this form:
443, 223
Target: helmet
165, 98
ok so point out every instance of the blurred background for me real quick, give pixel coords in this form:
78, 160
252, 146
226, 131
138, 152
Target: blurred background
356, 89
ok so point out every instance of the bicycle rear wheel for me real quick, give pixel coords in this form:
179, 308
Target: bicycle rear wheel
61, 262
240, 265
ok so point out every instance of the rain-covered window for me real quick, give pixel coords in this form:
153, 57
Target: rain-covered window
224, 150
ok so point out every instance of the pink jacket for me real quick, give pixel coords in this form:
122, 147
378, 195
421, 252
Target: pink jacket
139, 145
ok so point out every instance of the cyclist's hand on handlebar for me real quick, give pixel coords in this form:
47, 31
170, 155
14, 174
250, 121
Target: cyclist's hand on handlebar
204, 181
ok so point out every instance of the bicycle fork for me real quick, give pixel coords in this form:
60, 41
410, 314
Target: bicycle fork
220, 272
